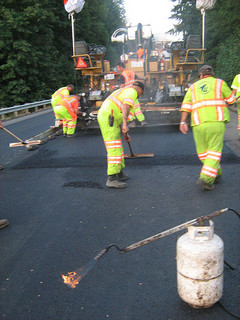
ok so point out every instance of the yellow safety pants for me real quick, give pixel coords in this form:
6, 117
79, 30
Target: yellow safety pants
69, 123
208, 138
112, 141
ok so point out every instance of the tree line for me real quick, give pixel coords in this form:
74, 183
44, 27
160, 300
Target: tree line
36, 44
36, 41
222, 33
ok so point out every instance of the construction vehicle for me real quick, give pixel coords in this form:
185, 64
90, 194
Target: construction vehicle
168, 68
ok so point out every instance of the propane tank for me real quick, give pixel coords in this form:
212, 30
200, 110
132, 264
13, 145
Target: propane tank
200, 264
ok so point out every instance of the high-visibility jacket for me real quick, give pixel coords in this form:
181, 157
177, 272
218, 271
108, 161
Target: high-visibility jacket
129, 77
236, 85
116, 101
140, 52
205, 99
59, 95
71, 104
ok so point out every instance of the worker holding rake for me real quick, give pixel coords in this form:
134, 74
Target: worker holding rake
113, 115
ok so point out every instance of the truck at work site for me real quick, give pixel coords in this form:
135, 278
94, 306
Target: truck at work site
167, 69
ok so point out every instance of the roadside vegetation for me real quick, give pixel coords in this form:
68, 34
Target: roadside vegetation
222, 33
36, 41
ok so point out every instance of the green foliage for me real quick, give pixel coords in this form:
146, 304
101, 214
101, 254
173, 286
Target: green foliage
36, 44
96, 23
188, 17
222, 33
228, 60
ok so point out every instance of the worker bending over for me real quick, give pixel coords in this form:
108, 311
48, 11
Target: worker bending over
127, 78
236, 91
67, 110
207, 101
59, 95
113, 115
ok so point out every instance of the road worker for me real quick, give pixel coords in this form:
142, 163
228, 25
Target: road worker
126, 80
113, 115
207, 101
59, 95
140, 51
236, 91
67, 110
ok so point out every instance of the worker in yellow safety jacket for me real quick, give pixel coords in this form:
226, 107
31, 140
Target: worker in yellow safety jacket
113, 115
67, 110
206, 100
59, 95
127, 78
236, 91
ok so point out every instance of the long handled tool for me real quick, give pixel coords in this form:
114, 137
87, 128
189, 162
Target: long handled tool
72, 278
21, 143
135, 155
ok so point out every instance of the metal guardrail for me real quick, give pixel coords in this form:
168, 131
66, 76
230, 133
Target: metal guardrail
27, 108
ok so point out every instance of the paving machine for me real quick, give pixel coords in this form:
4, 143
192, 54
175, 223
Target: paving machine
167, 69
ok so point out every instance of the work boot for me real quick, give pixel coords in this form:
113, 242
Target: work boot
132, 124
122, 177
3, 223
112, 182
71, 135
205, 185
144, 123
217, 180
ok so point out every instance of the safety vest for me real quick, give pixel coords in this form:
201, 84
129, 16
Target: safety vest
60, 94
140, 52
71, 104
206, 100
236, 85
129, 77
124, 96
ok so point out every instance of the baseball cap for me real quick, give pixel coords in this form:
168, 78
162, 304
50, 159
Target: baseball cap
139, 84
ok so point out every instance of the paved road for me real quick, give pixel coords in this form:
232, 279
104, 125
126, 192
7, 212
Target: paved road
62, 215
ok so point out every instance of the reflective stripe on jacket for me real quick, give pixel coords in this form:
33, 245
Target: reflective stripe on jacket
206, 100
129, 77
60, 94
236, 85
124, 96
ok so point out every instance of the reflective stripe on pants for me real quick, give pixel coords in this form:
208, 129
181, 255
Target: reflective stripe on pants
208, 138
113, 143
69, 124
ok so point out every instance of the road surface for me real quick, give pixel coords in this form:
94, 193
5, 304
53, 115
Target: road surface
62, 215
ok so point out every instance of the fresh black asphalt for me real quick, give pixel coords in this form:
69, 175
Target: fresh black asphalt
62, 215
